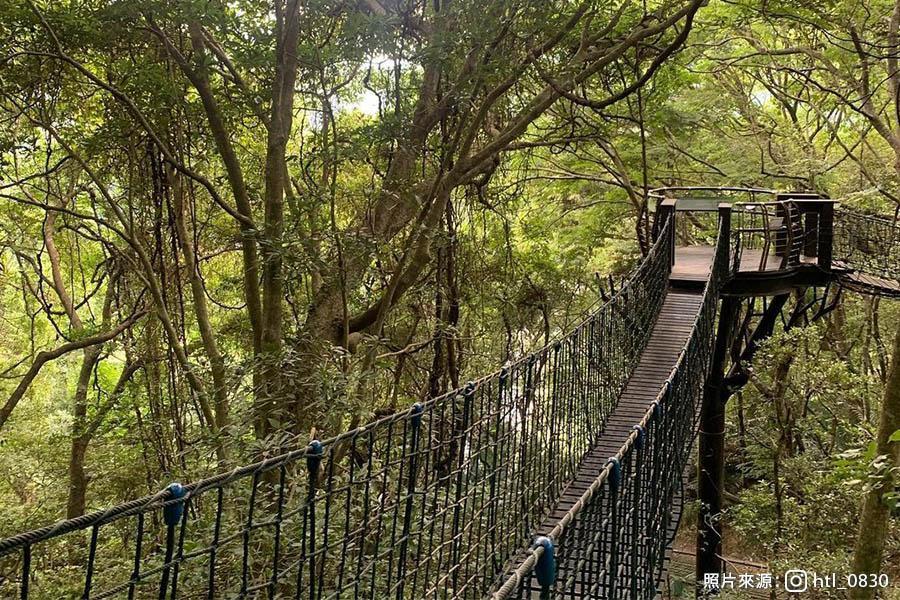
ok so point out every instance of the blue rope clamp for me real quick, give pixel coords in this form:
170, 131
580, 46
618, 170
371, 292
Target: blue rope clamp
639, 441
545, 569
657, 409
417, 409
172, 512
615, 475
314, 456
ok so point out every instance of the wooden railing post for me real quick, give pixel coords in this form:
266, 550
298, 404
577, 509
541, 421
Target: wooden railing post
725, 227
665, 210
825, 250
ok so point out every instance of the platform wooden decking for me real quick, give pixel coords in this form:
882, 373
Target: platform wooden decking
669, 336
692, 264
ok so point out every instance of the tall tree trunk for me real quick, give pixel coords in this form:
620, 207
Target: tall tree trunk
77, 478
873, 520
161, 440
281, 119
784, 447
90, 356
201, 313
437, 380
454, 348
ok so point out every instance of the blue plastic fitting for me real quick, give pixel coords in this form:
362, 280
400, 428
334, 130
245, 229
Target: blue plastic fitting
545, 569
417, 409
615, 476
172, 512
314, 455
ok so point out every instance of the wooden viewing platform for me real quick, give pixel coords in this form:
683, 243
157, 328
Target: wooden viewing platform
692, 263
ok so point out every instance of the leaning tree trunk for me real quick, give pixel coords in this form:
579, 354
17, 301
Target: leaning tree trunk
873, 521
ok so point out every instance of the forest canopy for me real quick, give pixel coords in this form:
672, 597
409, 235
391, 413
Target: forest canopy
228, 228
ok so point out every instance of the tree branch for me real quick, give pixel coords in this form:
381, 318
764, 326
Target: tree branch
46, 356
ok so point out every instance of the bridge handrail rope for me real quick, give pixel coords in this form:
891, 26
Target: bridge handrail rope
436, 497
635, 474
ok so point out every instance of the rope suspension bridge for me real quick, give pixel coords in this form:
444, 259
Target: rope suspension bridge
558, 476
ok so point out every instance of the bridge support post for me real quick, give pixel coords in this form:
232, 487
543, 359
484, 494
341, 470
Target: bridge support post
711, 448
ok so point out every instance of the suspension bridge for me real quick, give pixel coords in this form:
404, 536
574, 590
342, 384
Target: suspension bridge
558, 476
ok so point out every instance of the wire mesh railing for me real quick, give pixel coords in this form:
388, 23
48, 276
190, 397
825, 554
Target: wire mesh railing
612, 542
430, 502
867, 243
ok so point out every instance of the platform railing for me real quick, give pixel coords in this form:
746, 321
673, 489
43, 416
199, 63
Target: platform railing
766, 236
817, 215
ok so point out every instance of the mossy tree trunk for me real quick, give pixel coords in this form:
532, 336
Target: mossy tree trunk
875, 515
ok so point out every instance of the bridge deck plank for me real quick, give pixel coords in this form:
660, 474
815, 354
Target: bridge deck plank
869, 283
692, 263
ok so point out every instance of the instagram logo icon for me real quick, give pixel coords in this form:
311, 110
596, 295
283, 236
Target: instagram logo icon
795, 581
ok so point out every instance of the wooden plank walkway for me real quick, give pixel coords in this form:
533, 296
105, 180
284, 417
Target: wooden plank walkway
669, 336
867, 284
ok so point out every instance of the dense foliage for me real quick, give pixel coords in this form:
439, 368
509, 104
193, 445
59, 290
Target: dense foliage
228, 228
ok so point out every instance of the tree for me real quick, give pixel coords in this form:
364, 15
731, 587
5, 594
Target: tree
880, 496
